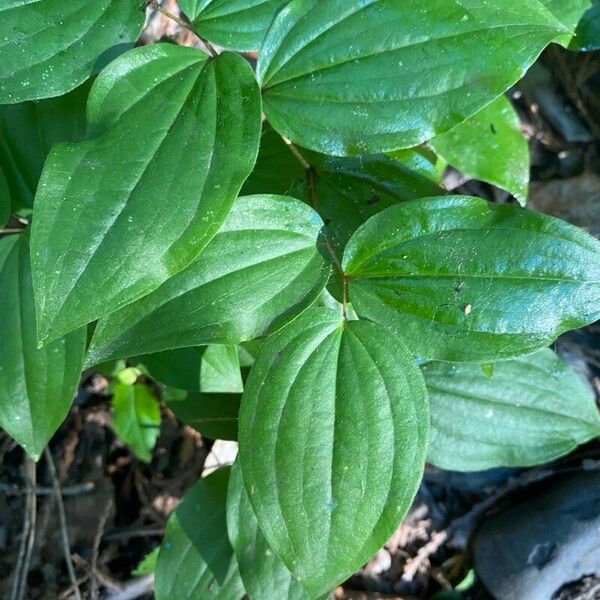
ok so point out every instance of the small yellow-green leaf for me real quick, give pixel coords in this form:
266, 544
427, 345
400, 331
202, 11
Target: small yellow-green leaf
136, 417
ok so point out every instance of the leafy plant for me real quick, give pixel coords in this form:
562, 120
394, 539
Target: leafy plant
343, 261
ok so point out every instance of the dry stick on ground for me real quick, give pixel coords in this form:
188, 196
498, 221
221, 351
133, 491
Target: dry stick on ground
71, 490
63, 522
460, 530
19, 585
135, 588
96, 549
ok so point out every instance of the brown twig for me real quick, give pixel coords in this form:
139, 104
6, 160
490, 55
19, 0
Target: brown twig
140, 586
62, 522
154, 5
71, 490
19, 585
96, 549
133, 533
412, 568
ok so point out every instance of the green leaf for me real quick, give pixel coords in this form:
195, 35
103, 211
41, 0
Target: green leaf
265, 577
418, 72
176, 135
348, 191
333, 436
344, 191
421, 160
235, 24
215, 416
277, 170
27, 133
489, 146
531, 410
37, 387
136, 418
50, 46
205, 369
587, 34
569, 13
147, 564
462, 279
196, 560
5, 204
220, 370
262, 268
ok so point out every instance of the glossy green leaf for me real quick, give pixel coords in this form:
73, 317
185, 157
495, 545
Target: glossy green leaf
220, 370
568, 12
418, 72
348, 191
531, 410
345, 191
587, 34
262, 268
196, 560
489, 146
136, 418
215, 416
277, 170
50, 46
37, 387
462, 279
5, 204
28, 131
265, 577
176, 135
206, 369
333, 436
235, 24
421, 160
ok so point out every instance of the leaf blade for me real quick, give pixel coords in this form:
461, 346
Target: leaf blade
489, 146
41, 64
313, 55
267, 250
305, 380
239, 24
265, 577
529, 411
463, 280
37, 387
136, 418
111, 193
195, 558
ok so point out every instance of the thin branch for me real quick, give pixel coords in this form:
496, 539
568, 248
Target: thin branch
96, 549
422, 558
311, 176
135, 588
71, 490
154, 5
63, 523
19, 585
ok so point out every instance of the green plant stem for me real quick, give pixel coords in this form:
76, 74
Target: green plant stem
311, 176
